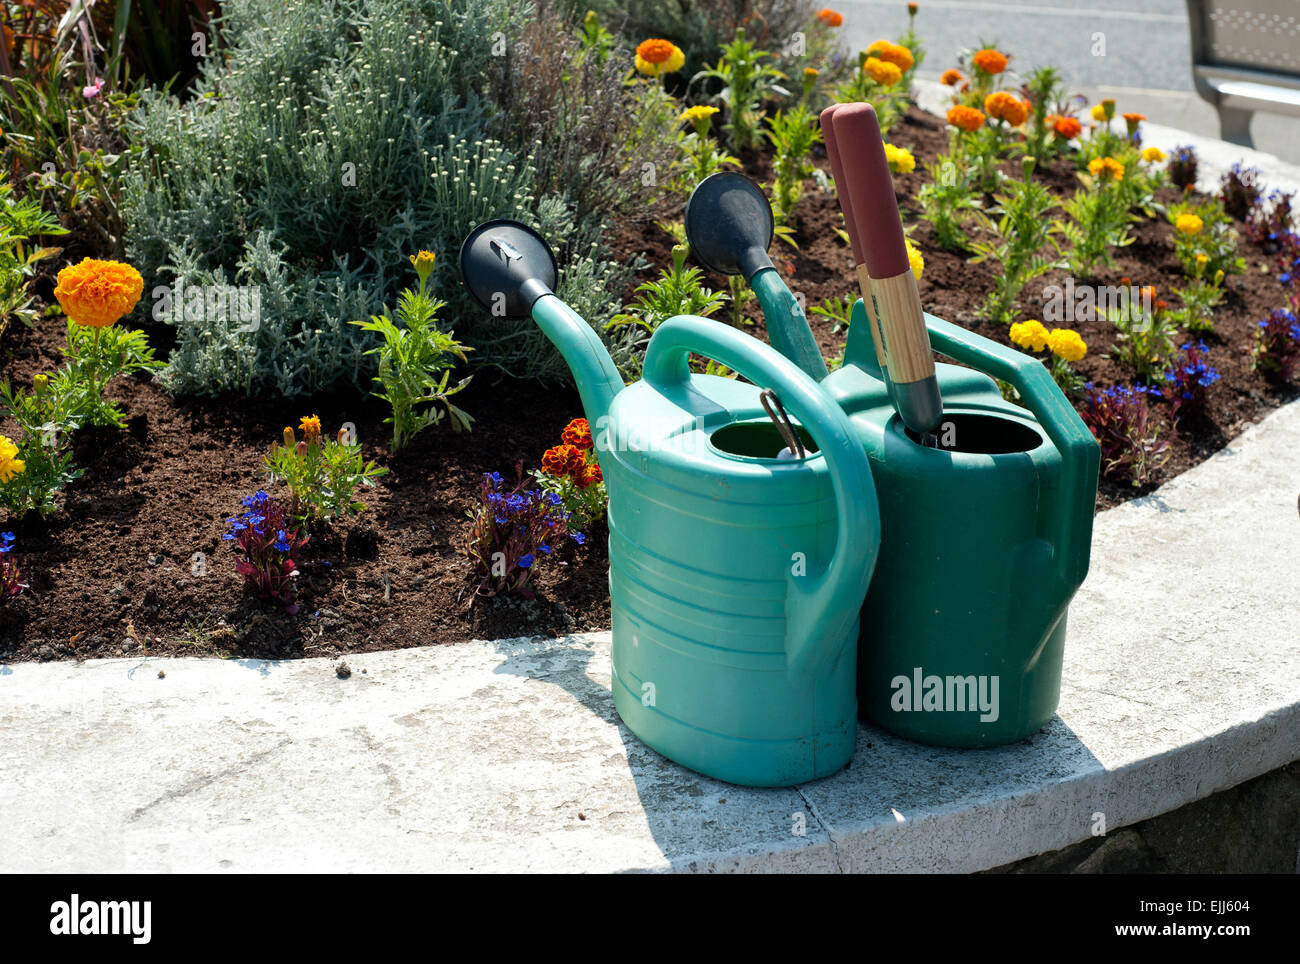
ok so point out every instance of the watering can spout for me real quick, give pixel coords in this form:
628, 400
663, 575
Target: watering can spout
594, 371
510, 270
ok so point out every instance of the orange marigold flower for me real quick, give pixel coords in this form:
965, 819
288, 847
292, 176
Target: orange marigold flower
951, 77
892, 53
990, 61
1106, 167
829, 17
590, 475
97, 293
1148, 293
578, 434
965, 118
1068, 127
1007, 107
1134, 118
310, 426
563, 460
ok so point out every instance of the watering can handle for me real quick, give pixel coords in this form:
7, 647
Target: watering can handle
1080, 453
821, 607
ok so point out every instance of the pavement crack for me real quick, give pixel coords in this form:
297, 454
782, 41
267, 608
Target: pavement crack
825, 825
200, 783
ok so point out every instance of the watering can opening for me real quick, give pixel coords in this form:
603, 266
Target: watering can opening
507, 266
978, 434
758, 440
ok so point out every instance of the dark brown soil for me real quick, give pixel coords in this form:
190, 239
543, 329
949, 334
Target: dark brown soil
114, 571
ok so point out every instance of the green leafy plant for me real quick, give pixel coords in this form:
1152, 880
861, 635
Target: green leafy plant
948, 200
415, 362
47, 415
323, 474
747, 81
1022, 230
703, 155
1146, 338
1096, 220
678, 290
95, 356
1205, 239
792, 134
839, 310
1044, 90
1200, 297
21, 222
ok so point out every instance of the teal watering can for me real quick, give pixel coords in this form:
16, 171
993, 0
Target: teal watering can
986, 524
741, 543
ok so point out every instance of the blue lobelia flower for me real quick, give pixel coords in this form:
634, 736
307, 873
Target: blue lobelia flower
526, 560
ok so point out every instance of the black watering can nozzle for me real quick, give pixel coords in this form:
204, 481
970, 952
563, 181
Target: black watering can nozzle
507, 266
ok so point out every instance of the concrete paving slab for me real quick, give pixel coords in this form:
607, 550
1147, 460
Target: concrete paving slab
1182, 678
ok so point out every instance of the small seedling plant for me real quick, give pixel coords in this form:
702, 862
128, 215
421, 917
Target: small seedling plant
792, 134
678, 290
323, 473
948, 201
1022, 232
267, 543
1146, 338
747, 81
1096, 220
41, 462
415, 362
514, 529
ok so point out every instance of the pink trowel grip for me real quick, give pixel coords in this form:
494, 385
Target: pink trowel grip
870, 190
841, 186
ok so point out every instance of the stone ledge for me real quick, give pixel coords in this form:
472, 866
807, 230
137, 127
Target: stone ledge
1182, 678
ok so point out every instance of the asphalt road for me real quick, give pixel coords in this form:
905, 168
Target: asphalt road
1138, 51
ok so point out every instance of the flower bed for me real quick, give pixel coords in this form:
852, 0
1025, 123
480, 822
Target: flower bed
238, 523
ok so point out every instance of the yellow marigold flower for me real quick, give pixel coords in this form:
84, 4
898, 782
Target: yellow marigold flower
1189, 224
808, 72
40, 383
914, 259
882, 71
1067, 344
97, 293
892, 53
10, 465
310, 426
1153, 155
1218, 277
290, 440
1098, 113
951, 77
1106, 167
1202, 258
698, 113
990, 61
1029, 334
1004, 106
965, 118
900, 159
655, 57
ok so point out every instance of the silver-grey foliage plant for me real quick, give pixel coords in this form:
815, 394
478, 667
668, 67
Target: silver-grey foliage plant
326, 141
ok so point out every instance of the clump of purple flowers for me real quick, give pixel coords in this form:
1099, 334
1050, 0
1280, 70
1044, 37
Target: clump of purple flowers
1277, 345
513, 531
268, 544
1182, 166
1124, 425
1240, 190
1187, 384
11, 580
1268, 224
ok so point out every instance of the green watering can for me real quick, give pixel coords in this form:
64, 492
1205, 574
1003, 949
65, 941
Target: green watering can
986, 525
741, 543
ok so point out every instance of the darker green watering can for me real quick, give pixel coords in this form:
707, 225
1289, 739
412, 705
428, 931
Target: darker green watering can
985, 528
741, 543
